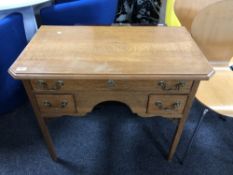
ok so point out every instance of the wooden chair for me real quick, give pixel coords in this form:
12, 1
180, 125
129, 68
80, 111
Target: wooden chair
212, 29
186, 10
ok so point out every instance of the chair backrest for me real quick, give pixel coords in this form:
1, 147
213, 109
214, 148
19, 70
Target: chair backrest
80, 12
186, 10
212, 29
12, 42
171, 18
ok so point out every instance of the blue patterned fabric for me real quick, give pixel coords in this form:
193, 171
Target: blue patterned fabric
80, 12
138, 12
12, 42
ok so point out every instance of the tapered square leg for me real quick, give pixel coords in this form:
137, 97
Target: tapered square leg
47, 138
181, 124
41, 121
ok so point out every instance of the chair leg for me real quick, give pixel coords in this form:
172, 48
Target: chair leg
231, 67
194, 134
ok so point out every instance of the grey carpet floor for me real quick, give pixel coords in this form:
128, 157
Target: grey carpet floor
111, 140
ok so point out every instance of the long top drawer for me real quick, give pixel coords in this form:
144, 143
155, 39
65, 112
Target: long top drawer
158, 86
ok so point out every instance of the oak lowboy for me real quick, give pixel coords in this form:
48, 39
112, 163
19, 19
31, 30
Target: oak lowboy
69, 70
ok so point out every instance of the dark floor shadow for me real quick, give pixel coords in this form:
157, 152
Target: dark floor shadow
227, 160
73, 168
113, 108
162, 149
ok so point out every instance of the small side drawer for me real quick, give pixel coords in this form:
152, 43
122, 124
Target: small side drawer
56, 103
166, 104
157, 86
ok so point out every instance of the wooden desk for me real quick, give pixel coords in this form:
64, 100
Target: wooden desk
69, 70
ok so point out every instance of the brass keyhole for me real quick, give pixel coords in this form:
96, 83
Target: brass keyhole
111, 83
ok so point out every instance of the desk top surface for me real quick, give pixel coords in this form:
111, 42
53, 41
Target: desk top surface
111, 52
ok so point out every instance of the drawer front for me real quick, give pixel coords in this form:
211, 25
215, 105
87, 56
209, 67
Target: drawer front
158, 86
56, 103
166, 104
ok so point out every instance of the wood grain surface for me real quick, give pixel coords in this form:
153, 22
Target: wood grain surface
212, 29
114, 85
186, 10
111, 52
55, 103
167, 102
217, 93
70, 70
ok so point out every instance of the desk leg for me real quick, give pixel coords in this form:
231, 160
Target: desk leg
181, 123
41, 121
47, 137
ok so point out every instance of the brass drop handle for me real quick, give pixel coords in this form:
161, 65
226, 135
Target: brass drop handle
177, 86
111, 83
47, 104
174, 106
43, 85
58, 85
64, 103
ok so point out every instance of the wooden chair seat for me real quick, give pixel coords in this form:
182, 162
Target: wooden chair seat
212, 29
217, 93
